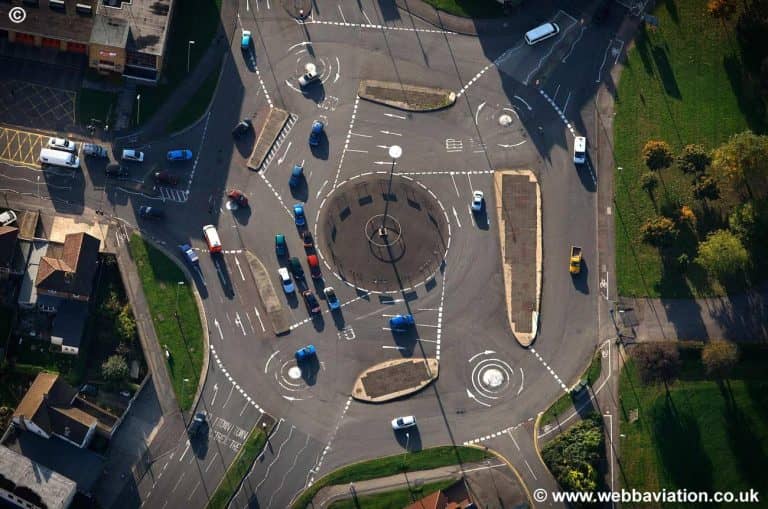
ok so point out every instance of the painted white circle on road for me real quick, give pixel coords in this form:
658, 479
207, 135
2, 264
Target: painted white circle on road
294, 373
493, 377
505, 120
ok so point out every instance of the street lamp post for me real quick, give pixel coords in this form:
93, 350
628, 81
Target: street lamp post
189, 45
138, 109
395, 151
176, 307
38, 188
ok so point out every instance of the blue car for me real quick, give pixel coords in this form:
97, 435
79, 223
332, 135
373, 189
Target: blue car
306, 353
189, 254
245, 40
179, 155
298, 215
296, 175
316, 133
401, 323
281, 248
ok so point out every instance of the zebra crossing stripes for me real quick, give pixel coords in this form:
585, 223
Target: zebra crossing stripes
281, 137
171, 194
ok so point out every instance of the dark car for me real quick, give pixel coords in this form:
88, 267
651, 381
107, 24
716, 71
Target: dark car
163, 177
316, 133
281, 248
198, 424
89, 389
296, 175
151, 212
242, 128
189, 254
305, 353
295, 267
309, 242
116, 171
311, 301
401, 323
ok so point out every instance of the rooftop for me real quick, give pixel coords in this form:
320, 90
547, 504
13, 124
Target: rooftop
70, 271
149, 20
53, 490
59, 20
109, 31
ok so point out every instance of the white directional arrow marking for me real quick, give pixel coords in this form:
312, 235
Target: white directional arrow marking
237, 262
472, 396
280, 160
394, 347
239, 322
290, 398
218, 326
487, 352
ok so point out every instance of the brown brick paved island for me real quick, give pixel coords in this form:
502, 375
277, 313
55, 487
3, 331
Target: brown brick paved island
394, 379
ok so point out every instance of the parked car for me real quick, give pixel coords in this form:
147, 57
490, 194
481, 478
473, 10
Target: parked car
314, 266
89, 389
163, 177
478, 201
311, 301
8, 217
198, 424
296, 175
281, 248
242, 128
245, 40
126, 394
316, 133
238, 197
298, 215
295, 267
183, 154
285, 279
309, 242
305, 353
130, 154
189, 254
150, 212
310, 75
331, 298
62, 144
407, 421
91, 149
116, 171
401, 323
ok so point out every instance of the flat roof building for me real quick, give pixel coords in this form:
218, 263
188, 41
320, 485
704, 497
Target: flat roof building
30, 485
121, 36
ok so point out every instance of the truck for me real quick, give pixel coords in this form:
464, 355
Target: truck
575, 265
60, 158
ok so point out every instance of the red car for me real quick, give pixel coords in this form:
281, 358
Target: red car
314, 266
164, 177
238, 197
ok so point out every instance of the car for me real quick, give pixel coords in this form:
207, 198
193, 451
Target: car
182, 154
309, 242
8, 217
285, 279
478, 201
242, 128
117, 171
130, 154
407, 421
295, 267
331, 298
62, 144
89, 389
305, 353
150, 212
310, 75
311, 301
163, 177
401, 323
91, 149
579, 150
298, 215
238, 197
198, 423
189, 254
245, 40
316, 133
296, 175
281, 248
126, 394
314, 266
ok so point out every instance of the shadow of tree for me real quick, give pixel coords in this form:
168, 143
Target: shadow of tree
751, 457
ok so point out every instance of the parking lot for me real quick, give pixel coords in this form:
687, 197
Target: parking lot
20, 147
29, 104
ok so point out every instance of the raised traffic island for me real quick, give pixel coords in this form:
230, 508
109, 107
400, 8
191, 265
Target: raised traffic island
394, 379
406, 97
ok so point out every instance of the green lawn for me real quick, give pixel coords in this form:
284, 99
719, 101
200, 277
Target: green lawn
193, 20
95, 104
395, 498
183, 337
237, 469
196, 105
705, 436
389, 465
683, 83
469, 8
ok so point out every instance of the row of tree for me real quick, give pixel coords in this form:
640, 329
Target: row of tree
660, 361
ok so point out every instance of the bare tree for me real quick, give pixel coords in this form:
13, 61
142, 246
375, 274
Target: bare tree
659, 361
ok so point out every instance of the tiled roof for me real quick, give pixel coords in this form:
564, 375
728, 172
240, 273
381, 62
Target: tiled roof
73, 271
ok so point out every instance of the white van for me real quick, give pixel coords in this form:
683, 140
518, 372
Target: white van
58, 158
212, 238
580, 150
541, 32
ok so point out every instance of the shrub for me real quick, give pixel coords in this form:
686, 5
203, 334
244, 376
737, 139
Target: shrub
722, 254
659, 231
744, 221
657, 154
742, 162
115, 369
705, 188
687, 215
657, 361
721, 9
693, 159
649, 181
719, 358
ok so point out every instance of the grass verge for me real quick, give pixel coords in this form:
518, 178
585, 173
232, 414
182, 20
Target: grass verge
566, 400
395, 498
95, 104
182, 336
238, 469
469, 8
683, 83
389, 465
703, 435
196, 105
193, 20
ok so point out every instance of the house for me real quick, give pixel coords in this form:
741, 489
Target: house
30, 485
67, 271
454, 496
51, 407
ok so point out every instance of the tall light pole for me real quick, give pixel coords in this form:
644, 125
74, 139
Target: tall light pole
189, 45
38, 189
395, 151
138, 109
176, 308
